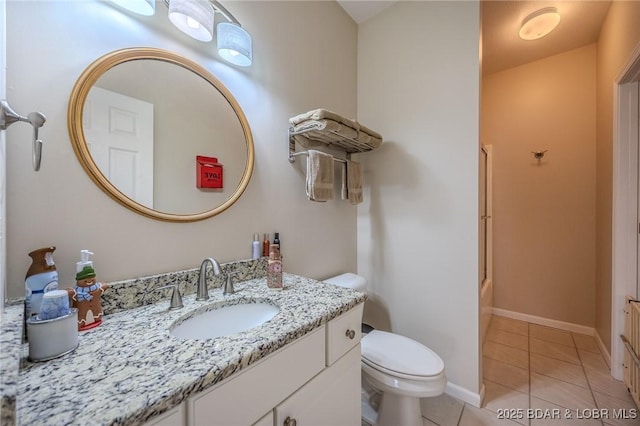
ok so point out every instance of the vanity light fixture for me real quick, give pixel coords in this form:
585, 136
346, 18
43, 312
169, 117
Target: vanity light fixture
196, 18
234, 44
192, 17
539, 23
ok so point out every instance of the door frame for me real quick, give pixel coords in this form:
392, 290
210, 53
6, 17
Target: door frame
625, 220
3, 158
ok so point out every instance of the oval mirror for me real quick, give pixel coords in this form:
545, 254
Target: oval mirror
160, 134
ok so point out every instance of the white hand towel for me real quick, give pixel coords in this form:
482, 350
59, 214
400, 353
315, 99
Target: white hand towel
354, 182
319, 176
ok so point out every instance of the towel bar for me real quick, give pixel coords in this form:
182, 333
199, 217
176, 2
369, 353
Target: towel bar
297, 154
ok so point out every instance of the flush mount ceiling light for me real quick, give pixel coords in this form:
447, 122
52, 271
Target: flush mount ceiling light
192, 17
141, 7
539, 23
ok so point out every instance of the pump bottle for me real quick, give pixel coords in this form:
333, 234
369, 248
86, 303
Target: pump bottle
255, 246
265, 245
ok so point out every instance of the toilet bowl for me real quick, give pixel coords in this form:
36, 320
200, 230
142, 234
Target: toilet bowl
397, 368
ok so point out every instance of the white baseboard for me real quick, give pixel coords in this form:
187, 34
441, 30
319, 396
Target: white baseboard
576, 328
464, 394
603, 349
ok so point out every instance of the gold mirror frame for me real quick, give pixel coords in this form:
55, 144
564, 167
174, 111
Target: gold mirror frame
76, 132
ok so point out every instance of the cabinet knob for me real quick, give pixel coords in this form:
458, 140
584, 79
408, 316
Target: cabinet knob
289, 422
351, 334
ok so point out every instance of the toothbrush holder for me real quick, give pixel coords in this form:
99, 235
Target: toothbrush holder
52, 338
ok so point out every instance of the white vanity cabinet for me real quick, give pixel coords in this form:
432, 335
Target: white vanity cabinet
173, 417
331, 398
314, 380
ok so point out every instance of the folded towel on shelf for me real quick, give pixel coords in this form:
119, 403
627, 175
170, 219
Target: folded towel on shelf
354, 182
319, 176
324, 132
322, 114
323, 126
372, 134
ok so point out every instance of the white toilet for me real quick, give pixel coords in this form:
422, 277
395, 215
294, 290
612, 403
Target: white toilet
398, 368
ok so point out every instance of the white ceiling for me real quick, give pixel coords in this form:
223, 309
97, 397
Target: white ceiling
580, 24
361, 10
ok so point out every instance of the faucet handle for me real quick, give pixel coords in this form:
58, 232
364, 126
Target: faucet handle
176, 297
228, 286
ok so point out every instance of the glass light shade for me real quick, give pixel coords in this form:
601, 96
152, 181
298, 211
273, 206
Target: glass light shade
539, 23
234, 44
141, 7
192, 17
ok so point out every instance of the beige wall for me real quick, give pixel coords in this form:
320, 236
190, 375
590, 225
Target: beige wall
418, 84
618, 37
50, 43
544, 212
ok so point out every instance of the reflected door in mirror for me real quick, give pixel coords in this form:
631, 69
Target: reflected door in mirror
119, 133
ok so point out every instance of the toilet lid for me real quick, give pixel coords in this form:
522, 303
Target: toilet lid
400, 354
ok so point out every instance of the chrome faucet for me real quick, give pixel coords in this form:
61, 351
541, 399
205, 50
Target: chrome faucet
203, 290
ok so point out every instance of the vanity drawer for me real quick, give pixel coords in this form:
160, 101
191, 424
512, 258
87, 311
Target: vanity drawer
343, 333
246, 396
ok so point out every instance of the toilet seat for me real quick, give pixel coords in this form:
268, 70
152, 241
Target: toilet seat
400, 356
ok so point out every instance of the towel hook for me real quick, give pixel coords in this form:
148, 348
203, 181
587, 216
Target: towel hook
8, 116
539, 154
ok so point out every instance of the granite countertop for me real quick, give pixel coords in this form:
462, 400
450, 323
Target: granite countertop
130, 368
10, 353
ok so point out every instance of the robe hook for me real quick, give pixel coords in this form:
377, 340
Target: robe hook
8, 116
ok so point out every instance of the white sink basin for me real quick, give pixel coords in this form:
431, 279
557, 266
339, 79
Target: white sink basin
225, 321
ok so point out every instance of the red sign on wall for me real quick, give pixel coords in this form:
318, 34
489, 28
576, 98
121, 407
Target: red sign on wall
208, 172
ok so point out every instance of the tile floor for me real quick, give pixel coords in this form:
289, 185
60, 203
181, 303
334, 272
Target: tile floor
550, 371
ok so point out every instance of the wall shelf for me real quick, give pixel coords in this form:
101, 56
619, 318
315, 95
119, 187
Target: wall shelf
323, 128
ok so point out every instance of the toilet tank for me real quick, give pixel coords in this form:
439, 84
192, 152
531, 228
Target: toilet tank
349, 280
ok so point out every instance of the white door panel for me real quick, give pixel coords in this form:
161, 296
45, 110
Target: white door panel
119, 134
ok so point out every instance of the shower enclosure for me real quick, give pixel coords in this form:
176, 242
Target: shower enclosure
486, 240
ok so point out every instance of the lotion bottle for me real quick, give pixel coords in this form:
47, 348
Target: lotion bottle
274, 268
255, 246
265, 245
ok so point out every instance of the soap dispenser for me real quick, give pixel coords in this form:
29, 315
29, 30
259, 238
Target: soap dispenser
86, 295
84, 260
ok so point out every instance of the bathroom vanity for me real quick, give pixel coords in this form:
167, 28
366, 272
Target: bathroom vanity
302, 366
313, 380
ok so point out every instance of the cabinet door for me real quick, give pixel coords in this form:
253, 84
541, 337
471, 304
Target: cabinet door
343, 333
331, 398
250, 393
267, 420
174, 417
